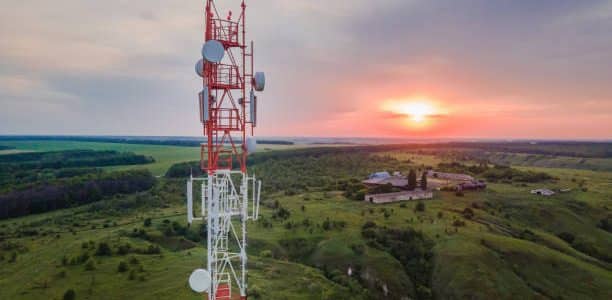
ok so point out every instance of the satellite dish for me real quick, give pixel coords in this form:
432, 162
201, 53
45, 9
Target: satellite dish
199, 67
199, 281
259, 81
251, 144
213, 51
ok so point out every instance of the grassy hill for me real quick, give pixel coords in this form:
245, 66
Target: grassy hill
499, 243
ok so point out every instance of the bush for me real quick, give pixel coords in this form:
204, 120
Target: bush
90, 265
265, 253
69, 295
104, 250
468, 213
458, 223
122, 267
147, 222
420, 207
567, 237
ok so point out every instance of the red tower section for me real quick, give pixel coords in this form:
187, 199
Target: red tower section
224, 102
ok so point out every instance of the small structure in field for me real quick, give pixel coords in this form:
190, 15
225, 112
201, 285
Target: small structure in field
417, 194
543, 192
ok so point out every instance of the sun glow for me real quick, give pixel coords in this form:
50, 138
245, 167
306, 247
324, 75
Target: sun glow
418, 111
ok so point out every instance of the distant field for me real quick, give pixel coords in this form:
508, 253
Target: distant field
165, 156
549, 161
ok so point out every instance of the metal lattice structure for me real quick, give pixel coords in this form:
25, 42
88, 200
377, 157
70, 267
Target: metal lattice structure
228, 116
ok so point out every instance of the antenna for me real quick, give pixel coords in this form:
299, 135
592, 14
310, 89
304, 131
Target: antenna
228, 113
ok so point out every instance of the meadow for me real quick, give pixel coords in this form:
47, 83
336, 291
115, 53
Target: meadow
502, 242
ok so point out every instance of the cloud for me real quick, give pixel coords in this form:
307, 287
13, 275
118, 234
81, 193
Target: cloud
128, 65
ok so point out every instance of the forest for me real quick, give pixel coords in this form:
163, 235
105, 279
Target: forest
36, 182
79, 190
20, 169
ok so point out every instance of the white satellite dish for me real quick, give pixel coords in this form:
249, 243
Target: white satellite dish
199, 67
213, 51
199, 281
259, 81
251, 144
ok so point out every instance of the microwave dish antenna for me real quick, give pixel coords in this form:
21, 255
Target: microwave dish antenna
199, 281
213, 51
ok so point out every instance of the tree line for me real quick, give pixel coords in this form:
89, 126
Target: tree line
63, 193
69, 159
163, 141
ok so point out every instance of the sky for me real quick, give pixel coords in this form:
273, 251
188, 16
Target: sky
342, 68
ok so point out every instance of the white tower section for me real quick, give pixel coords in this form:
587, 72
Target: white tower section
226, 209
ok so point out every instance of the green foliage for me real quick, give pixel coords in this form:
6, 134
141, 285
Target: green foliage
69, 295
468, 213
122, 267
411, 248
90, 265
297, 249
500, 173
73, 191
103, 249
606, 224
420, 207
68, 159
567, 237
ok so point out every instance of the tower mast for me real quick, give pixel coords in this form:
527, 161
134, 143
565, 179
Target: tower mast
228, 117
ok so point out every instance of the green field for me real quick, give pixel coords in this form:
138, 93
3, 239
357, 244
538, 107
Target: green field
508, 247
165, 156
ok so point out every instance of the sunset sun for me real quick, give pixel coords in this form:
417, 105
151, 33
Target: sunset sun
417, 111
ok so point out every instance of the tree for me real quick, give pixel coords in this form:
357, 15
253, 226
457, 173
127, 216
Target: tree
122, 267
424, 181
412, 180
69, 295
103, 250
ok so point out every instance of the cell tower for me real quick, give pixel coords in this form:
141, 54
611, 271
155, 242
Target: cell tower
228, 113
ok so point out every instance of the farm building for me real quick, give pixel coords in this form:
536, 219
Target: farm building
399, 196
381, 178
543, 192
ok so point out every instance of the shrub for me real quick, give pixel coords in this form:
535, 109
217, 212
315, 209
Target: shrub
90, 265
103, 250
468, 213
147, 222
567, 237
420, 207
458, 223
265, 253
122, 267
134, 261
69, 295
605, 224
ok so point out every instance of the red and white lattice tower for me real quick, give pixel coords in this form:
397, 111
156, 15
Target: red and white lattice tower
228, 112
